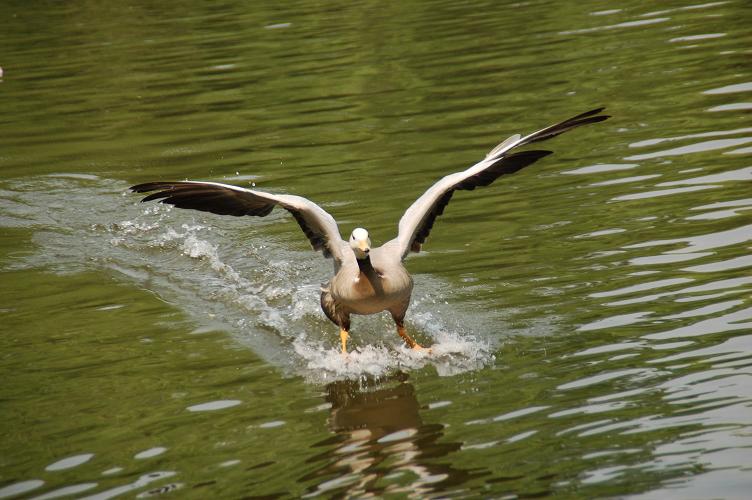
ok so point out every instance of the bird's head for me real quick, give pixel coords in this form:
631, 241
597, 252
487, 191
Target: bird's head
360, 243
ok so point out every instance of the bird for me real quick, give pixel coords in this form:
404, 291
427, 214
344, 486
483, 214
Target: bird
367, 279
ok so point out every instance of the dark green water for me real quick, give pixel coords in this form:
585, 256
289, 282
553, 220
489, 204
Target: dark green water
591, 314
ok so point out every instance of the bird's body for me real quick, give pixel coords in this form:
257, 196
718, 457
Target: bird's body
366, 280
376, 283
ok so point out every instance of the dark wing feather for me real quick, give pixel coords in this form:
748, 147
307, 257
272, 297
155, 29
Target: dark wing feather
425, 228
415, 225
224, 199
505, 165
206, 197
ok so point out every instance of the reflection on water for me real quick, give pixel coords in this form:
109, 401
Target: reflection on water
381, 445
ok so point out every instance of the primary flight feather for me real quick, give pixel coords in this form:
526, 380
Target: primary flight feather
366, 280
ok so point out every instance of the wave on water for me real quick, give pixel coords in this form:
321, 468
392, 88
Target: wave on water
231, 274
450, 354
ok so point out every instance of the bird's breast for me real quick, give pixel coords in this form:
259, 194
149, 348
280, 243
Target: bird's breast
371, 291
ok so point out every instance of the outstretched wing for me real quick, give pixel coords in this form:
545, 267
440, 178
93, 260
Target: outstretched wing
224, 199
416, 223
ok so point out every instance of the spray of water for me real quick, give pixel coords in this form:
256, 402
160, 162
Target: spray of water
232, 274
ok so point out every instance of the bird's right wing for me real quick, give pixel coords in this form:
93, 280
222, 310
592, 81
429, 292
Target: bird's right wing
224, 199
416, 223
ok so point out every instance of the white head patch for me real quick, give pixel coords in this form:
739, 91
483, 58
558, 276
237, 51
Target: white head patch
360, 234
360, 243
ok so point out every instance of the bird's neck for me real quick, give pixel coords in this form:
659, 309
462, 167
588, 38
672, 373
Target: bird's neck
365, 265
370, 275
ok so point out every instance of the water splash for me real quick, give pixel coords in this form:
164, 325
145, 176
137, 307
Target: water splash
263, 294
450, 354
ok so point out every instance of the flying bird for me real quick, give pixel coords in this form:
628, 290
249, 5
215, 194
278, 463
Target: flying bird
367, 280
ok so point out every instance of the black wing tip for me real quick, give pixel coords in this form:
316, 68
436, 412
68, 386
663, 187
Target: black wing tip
588, 113
588, 120
585, 118
595, 111
163, 189
151, 186
592, 116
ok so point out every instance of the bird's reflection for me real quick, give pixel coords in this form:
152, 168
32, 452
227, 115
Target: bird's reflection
381, 445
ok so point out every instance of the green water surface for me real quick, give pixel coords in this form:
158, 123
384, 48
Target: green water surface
592, 313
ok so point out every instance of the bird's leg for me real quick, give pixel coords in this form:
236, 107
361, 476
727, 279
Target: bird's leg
343, 336
407, 338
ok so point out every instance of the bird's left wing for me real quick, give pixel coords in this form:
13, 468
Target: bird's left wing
416, 223
223, 199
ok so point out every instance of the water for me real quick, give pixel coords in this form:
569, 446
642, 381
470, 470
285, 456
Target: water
590, 315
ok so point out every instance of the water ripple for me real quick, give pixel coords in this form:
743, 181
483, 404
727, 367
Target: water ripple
731, 89
703, 242
591, 313
625, 24
699, 147
722, 323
